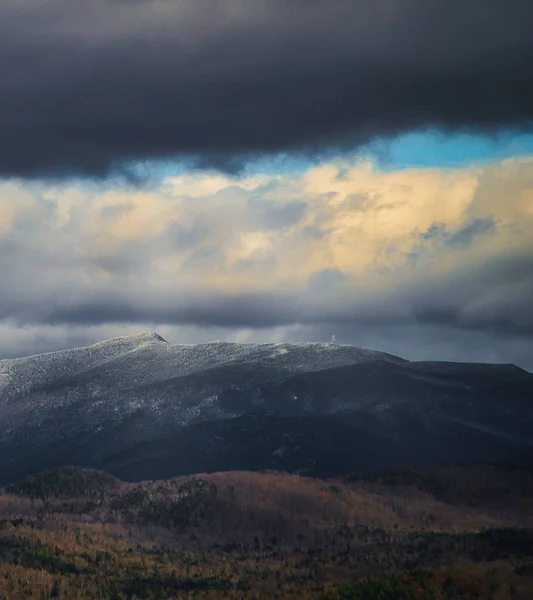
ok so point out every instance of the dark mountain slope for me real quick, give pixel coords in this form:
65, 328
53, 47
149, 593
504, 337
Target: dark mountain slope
141, 408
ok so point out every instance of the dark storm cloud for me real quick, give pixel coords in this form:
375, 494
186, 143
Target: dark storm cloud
496, 298
235, 310
86, 86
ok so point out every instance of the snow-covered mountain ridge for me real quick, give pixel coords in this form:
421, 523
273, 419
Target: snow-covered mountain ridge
139, 403
147, 358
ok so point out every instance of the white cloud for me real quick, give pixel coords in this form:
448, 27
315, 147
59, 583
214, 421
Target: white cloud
340, 242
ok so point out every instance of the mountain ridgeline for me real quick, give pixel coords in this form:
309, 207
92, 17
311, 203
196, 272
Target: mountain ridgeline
141, 408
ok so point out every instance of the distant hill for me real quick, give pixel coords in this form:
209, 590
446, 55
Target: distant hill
63, 483
441, 533
244, 505
141, 408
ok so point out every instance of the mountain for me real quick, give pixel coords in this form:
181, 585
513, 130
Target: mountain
141, 408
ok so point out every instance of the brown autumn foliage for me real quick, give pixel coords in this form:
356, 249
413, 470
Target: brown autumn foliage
451, 532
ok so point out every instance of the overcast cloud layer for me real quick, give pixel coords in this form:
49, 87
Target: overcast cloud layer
90, 84
434, 263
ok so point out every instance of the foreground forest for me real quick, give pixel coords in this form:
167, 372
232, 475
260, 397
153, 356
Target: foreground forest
449, 532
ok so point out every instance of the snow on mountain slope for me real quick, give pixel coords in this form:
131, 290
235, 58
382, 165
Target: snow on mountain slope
136, 398
20, 375
172, 384
146, 358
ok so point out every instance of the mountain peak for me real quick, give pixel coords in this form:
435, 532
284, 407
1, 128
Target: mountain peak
151, 336
135, 338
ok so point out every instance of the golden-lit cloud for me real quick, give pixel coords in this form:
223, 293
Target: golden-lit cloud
339, 242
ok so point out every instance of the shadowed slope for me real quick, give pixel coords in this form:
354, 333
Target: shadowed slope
143, 408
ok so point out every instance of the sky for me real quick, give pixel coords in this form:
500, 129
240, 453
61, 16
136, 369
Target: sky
268, 171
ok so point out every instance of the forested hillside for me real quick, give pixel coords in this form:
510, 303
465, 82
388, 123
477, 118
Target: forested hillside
441, 533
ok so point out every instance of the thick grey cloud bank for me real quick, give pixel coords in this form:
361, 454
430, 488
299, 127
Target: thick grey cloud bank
88, 85
425, 263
